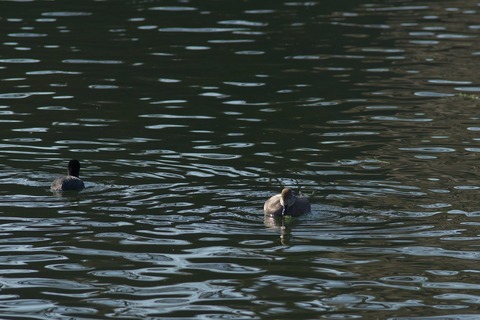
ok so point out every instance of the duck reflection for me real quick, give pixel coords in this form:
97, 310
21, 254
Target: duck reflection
282, 225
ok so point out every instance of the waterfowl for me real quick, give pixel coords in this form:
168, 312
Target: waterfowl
286, 204
71, 181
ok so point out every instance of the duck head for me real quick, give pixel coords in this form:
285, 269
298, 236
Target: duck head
287, 199
73, 168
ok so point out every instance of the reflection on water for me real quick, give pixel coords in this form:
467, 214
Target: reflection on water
186, 116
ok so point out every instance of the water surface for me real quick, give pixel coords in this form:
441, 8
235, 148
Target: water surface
187, 115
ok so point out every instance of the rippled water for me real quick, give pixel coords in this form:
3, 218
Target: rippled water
187, 115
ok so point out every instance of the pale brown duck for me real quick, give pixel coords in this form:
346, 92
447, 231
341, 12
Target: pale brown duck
286, 204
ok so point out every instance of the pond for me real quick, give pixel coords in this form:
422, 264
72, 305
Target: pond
187, 115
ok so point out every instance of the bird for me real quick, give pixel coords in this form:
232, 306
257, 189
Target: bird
286, 204
71, 181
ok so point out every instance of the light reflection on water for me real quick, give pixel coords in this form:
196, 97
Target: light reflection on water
187, 116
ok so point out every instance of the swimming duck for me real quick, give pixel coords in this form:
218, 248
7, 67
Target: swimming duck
286, 204
71, 181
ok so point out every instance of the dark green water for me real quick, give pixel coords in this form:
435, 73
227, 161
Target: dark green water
188, 115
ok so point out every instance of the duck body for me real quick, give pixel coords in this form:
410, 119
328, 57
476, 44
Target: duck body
71, 181
66, 183
286, 204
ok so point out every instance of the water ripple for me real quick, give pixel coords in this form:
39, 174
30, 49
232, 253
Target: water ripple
22, 95
19, 60
173, 8
198, 30
92, 61
66, 14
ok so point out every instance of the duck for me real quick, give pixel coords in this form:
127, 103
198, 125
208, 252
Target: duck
71, 181
286, 204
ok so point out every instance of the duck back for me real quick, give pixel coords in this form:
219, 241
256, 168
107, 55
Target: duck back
67, 183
